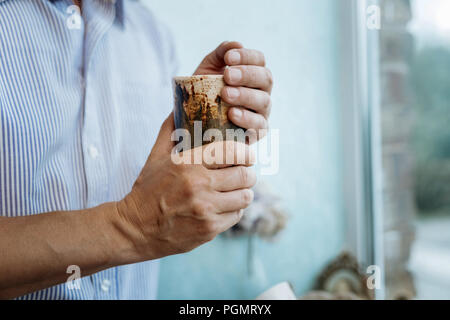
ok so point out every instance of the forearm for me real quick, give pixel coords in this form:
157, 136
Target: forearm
35, 251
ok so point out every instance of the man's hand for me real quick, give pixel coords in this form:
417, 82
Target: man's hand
171, 209
249, 83
175, 208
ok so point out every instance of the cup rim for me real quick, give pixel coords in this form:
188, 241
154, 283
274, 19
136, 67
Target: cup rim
197, 77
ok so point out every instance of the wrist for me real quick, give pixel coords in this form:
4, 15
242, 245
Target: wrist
119, 244
134, 241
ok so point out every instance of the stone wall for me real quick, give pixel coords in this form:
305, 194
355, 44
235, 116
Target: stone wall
397, 47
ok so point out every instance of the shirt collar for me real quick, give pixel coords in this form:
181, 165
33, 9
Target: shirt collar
119, 11
118, 4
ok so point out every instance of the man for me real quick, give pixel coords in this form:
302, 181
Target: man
80, 102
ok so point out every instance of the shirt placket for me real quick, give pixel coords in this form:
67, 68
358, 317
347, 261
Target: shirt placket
99, 17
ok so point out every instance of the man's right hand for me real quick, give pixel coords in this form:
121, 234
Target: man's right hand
174, 208
171, 209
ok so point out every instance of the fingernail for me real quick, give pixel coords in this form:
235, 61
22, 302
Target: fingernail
234, 57
235, 74
237, 113
233, 93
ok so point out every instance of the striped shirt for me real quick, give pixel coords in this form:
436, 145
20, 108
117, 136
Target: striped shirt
81, 102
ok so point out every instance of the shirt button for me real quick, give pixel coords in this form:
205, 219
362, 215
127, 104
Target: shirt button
93, 152
106, 284
82, 81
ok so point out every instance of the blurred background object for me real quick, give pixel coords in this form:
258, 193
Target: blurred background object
264, 218
397, 123
415, 108
342, 279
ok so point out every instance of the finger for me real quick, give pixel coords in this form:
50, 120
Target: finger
164, 143
217, 57
253, 99
233, 200
247, 119
228, 220
249, 76
222, 154
245, 56
233, 178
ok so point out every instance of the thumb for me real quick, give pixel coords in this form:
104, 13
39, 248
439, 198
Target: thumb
164, 143
215, 60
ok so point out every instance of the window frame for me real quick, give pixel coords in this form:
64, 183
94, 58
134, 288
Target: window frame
360, 105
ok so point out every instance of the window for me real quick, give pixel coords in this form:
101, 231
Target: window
414, 120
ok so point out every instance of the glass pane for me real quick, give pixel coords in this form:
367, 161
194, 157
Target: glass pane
415, 78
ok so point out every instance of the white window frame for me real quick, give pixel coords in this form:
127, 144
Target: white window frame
360, 105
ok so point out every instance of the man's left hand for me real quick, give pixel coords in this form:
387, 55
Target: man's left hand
249, 83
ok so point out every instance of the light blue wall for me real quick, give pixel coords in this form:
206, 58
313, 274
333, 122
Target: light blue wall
299, 40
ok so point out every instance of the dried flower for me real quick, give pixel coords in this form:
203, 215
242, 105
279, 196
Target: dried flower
264, 217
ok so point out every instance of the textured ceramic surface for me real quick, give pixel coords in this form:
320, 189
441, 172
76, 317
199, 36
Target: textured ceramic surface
197, 98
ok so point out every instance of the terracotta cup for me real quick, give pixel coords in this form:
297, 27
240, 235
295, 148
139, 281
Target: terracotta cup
197, 98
